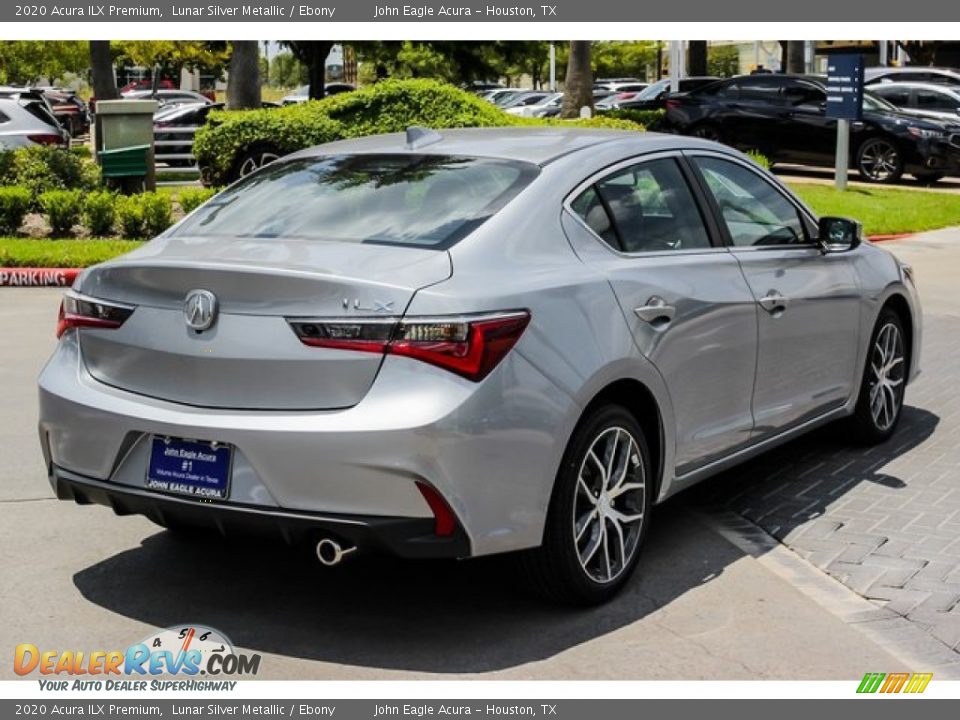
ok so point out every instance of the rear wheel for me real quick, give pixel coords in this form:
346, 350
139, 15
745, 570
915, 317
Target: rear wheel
879, 160
708, 131
598, 514
929, 178
881, 390
255, 158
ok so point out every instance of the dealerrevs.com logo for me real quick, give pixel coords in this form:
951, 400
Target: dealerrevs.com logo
186, 651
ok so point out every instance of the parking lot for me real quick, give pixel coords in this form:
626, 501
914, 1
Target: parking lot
871, 579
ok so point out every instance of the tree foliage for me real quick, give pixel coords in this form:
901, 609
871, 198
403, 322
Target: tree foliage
25, 62
172, 56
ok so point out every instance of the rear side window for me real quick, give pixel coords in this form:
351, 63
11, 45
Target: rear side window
4, 118
929, 100
647, 207
898, 96
429, 201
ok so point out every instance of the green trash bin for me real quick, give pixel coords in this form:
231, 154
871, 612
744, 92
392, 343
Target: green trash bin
124, 162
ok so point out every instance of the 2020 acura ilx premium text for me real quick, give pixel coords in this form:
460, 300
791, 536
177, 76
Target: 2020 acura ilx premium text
472, 342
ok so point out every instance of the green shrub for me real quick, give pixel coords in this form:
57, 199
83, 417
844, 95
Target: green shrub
100, 212
44, 167
14, 204
62, 208
67, 253
130, 216
157, 211
192, 198
759, 158
82, 151
647, 118
6, 167
225, 141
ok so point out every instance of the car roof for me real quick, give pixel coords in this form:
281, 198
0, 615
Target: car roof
870, 71
538, 145
914, 85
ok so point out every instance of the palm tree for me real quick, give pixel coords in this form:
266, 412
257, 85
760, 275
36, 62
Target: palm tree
243, 85
697, 57
101, 70
578, 86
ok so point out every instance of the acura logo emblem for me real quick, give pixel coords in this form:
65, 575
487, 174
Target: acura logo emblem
200, 309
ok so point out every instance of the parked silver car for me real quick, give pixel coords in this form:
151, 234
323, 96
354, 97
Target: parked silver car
472, 342
26, 119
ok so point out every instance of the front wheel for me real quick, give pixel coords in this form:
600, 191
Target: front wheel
881, 390
879, 160
598, 514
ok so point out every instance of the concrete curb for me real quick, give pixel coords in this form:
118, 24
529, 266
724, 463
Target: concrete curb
917, 649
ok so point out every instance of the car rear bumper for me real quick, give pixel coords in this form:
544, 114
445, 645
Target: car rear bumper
404, 537
489, 451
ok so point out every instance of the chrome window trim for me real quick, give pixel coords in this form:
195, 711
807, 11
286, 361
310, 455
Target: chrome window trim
620, 165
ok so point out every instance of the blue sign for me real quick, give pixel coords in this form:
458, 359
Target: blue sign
845, 87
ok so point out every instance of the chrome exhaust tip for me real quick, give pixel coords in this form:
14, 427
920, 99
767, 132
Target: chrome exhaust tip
330, 552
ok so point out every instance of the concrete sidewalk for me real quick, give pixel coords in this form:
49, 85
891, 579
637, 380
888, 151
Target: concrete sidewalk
700, 607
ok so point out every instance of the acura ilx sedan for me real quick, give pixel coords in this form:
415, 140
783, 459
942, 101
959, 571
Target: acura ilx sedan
467, 342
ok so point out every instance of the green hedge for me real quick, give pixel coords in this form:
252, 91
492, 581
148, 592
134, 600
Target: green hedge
389, 106
31, 252
647, 118
41, 168
14, 205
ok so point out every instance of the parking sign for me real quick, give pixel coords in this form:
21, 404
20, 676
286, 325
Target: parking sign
845, 87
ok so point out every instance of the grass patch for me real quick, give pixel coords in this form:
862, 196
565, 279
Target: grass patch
884, 211
32, 252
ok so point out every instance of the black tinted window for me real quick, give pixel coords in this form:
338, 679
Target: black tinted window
761, 89
644, 208
930, 100
417, 200
798, 93
898, 96
754, 211
729, 90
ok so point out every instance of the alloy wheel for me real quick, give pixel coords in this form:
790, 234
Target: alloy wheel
887, 374
880, 160
608, 505
255, 161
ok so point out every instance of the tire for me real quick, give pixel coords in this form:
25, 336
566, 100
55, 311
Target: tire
253, 159
708, 131
878, 410
879, 160
591, 568
928, 178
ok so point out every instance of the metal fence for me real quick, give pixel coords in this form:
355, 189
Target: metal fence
173, 151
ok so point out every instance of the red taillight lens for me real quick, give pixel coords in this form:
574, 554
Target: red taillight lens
77, 311
46, 138
672, 104
468, 346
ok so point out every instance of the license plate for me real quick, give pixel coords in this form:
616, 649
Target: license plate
190, 467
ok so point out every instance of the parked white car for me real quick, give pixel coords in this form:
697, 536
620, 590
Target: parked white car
538, 108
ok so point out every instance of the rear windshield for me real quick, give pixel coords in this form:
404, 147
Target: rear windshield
417, 200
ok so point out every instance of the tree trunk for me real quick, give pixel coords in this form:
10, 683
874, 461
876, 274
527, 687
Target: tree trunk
317, 69
795, 57
578, 86
101, 69
697, 58
243, 85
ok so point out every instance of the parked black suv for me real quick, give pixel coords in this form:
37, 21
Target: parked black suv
784, 117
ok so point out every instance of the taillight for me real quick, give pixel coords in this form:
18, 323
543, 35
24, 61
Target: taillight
672, 104
470, 346
46, 138
445, 522
80, 311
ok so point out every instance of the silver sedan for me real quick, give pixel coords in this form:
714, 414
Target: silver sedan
471, 342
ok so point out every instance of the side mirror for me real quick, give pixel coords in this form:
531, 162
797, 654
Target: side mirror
839, 234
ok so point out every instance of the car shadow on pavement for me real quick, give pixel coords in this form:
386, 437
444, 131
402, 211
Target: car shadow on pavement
813, 476
474, 616
433, 617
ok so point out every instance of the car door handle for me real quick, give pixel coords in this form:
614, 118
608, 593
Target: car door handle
656, 311
773, 302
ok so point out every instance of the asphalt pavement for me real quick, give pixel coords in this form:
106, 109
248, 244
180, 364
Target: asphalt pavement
716, 596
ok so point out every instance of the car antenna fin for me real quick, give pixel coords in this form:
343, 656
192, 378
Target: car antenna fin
418, 137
